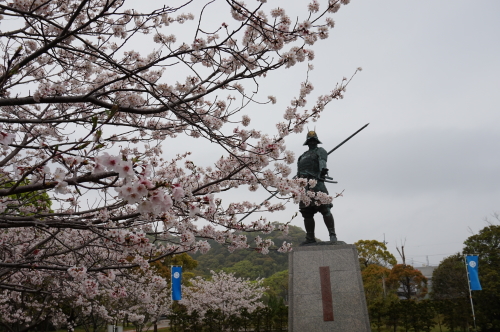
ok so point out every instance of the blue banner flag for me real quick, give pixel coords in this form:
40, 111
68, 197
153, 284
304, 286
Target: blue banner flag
176, 283
472, 264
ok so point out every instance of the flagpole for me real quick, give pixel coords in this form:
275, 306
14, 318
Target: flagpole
470, 293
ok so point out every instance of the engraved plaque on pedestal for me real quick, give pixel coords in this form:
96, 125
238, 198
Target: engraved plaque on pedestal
326, 290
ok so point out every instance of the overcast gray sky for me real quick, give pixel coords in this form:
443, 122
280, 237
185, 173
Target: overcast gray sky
427, 168
425, 172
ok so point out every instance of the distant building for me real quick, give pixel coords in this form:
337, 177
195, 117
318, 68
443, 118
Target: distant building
427, 272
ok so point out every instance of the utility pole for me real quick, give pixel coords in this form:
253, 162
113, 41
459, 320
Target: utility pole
383, 285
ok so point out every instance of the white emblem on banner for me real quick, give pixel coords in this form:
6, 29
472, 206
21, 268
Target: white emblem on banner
177, 275
472, 264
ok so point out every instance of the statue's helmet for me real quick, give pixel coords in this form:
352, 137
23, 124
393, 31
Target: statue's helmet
312, 137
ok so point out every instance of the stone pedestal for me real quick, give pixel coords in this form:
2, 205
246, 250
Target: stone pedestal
326, 290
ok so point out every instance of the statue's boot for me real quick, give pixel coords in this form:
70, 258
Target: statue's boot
330, 224
309, 224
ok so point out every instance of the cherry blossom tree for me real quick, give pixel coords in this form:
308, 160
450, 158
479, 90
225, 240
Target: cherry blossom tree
87, 119
80, 298
223, 293
141, 298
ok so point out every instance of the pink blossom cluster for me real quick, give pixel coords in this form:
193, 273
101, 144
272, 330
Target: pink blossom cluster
263, 245
285, 247
114, 163
224, 292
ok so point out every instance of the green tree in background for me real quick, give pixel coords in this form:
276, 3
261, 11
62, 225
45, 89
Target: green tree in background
277, 285
378, 288
255, 269
26, 204
449, 279
375, 262
450, 293
249, 263
486, 244
163, 267
279, 312
374, 252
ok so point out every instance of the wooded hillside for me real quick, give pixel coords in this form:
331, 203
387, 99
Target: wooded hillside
248, 263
